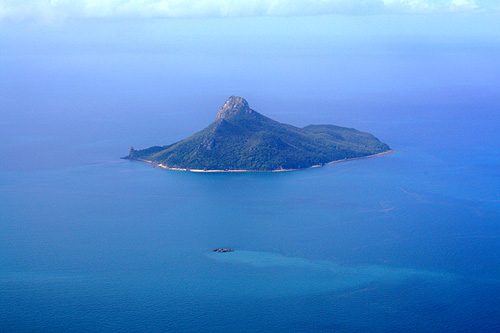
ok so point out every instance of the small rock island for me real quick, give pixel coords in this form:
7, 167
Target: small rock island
222, 250
241, 139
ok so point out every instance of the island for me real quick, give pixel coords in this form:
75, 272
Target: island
241, 139
222, 250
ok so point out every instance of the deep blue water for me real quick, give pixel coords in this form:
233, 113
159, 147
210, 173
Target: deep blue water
409, 241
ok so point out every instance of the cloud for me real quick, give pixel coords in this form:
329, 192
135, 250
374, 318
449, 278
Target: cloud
60, 9
459, 5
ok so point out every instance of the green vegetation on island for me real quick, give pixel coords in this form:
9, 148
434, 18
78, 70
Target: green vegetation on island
243, 139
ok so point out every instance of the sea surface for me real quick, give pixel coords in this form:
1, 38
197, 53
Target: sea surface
408, 241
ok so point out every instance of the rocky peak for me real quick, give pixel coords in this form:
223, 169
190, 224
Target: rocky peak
233, 106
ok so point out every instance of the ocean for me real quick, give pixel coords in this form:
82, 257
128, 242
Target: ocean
407, 241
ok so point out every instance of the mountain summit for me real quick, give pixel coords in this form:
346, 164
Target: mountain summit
234, 106
243, 139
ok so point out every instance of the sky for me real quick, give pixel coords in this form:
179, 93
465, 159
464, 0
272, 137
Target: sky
35, 21
57, 10
25, 24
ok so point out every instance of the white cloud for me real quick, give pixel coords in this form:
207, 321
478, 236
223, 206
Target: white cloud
432, 6
59, 9
460, 5
410, 6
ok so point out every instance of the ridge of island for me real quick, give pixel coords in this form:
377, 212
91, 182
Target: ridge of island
241, 139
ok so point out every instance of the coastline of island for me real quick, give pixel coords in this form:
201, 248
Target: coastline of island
159, 165
243, 140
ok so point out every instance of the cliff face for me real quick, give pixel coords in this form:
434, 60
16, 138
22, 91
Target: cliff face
243, 139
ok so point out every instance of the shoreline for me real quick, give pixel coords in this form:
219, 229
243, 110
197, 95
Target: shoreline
159, 165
